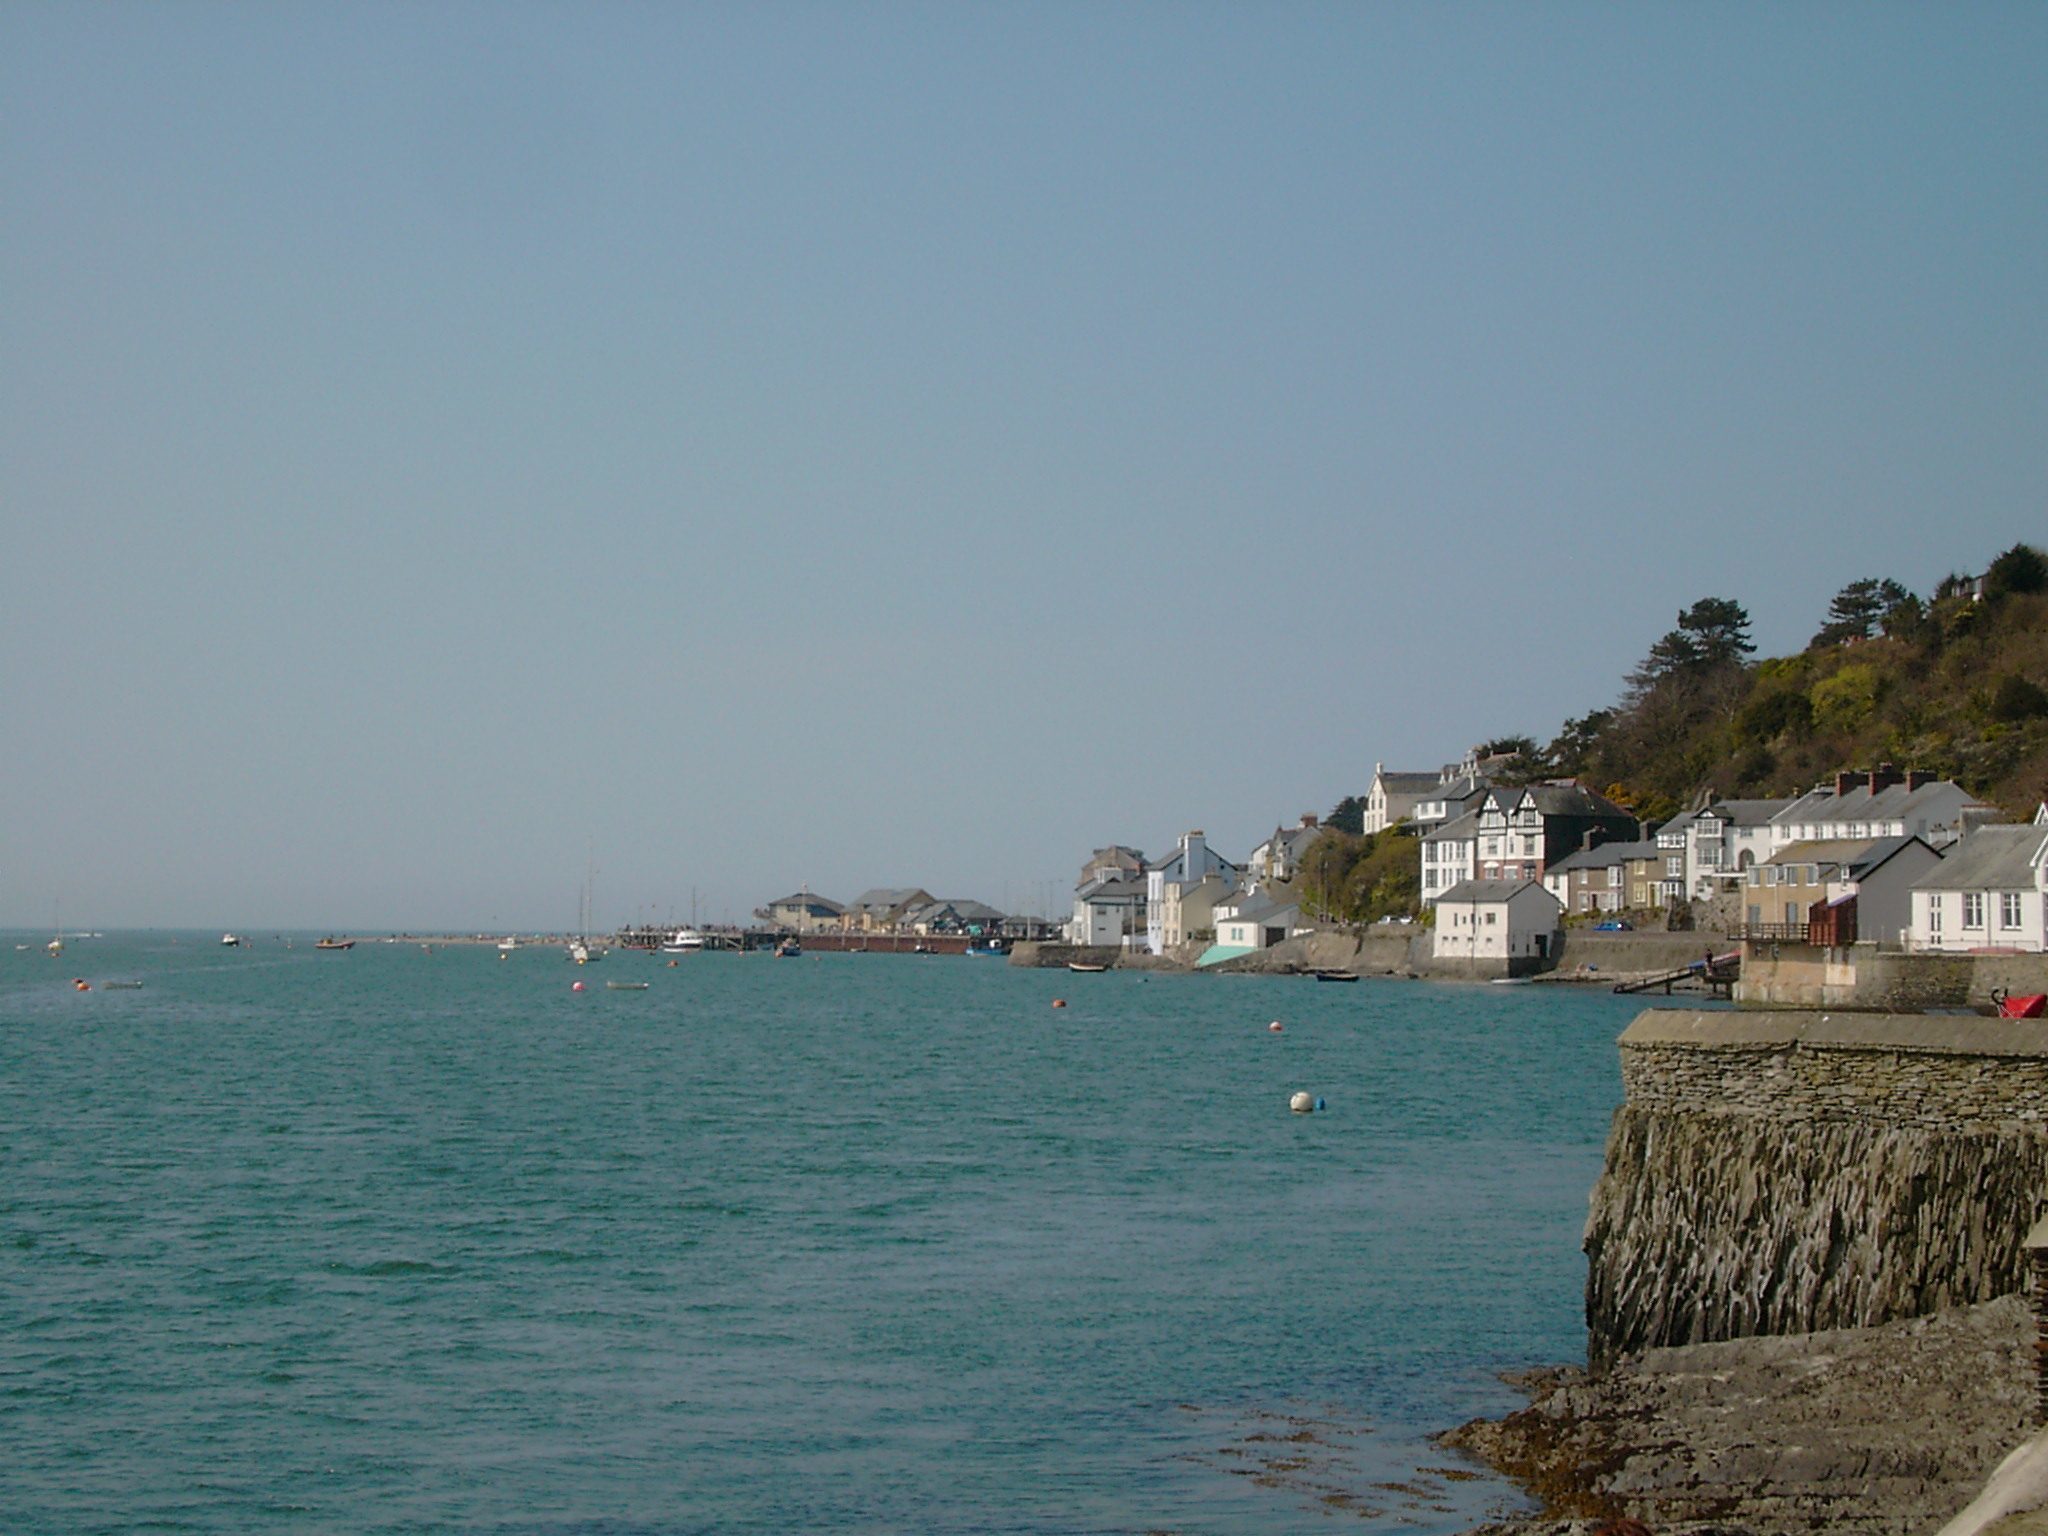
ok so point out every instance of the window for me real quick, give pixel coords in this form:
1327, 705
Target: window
1675, 866
1613, 876
1973, 909
1492, 918
1791, 914
1934, 915
2009, 909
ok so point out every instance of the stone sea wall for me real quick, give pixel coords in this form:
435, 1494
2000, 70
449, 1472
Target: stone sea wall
1778, 1173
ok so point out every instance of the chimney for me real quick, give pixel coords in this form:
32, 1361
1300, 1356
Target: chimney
1883, 777
1842, 782
1307, 819
1918, 778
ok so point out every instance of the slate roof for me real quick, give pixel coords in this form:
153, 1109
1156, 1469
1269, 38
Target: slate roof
1607, 855
1989, 859
1423, 784
1461, 829
1856, 857
885, 899
1895, 803
822, 906
1487, 890
1748, 813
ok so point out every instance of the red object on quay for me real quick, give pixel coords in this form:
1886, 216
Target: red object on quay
2029, 1007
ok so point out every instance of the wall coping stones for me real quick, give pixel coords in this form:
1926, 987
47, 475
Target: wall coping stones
1837, 1029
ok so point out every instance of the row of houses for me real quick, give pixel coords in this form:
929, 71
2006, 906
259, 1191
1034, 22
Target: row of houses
907, 910
1126, 901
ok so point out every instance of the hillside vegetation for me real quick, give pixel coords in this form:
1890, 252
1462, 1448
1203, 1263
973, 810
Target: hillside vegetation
1955, 683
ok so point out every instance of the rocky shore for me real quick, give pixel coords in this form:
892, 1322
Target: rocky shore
1884, 1431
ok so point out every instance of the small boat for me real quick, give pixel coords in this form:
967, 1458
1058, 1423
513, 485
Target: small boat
122, 986
1087, 967
507, 944
230, 941
789, 949
686, 941
1336, 975
625, 986
582, 953
1511, 981
988, 949
2027, 1006
331, 942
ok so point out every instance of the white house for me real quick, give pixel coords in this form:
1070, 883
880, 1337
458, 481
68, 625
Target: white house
1882, 803
1194, 867
1450, 854
1394, 796
1991, 892
1108, 910
1513, 922
1719, 844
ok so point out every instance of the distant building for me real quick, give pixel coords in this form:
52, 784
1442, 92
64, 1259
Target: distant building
1279, 856
1394, 796
884, 909
1182, 887
802, 913
1791, 893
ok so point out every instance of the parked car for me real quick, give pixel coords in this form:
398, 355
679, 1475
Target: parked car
1615, 925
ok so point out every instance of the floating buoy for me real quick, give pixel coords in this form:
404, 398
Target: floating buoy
1273, 1028
1302, 1103
575, 986
1059, 1002
1319, 1103
80, 984
671, 965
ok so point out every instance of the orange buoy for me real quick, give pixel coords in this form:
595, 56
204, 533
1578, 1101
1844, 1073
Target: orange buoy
1059, 1002
81, 984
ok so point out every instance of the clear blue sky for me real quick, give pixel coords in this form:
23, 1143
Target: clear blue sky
446, 446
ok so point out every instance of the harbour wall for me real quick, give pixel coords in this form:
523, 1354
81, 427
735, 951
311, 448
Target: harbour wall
1789, 1172
1863, 976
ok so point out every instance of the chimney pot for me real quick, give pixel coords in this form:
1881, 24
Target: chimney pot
1842, 782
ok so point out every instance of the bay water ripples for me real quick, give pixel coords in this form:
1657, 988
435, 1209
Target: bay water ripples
390, 1240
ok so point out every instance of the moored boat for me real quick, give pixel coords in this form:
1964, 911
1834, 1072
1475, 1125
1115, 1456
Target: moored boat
686, 941
788, 949
1087, 967
331, 942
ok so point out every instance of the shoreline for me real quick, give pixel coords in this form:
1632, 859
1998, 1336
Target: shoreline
1883, 1431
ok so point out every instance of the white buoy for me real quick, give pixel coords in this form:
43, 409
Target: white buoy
576, 986
1302, 1103
1273, 1028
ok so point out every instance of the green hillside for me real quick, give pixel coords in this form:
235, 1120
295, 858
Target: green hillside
1955, 682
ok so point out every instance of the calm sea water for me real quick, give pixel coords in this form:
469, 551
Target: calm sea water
399, 1241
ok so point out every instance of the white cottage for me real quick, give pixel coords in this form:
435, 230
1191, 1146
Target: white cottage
1511, 923
1991, 892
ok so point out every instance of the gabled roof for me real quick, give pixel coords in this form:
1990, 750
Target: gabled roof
887, 899
1893, 803
1260, 911
1107, 888
1996, 858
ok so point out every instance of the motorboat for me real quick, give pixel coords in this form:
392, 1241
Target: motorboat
789, 949
507, 944
1336, 975
987, 948
334, 943
625, 986
1087, 967
231, 941
686, 941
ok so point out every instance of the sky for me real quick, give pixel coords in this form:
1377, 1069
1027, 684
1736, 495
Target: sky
450, 453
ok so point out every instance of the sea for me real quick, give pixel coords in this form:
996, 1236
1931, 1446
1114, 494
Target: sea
416, 1238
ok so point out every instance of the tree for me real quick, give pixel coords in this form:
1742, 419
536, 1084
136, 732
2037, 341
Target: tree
1719, 627
1712, 635
1347, 816
1854, 613
2022, 568
1570, 754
